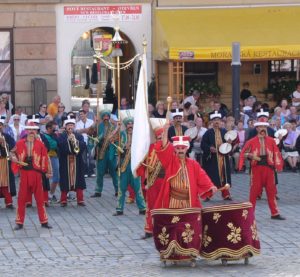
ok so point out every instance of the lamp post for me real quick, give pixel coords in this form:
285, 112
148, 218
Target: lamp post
236, 66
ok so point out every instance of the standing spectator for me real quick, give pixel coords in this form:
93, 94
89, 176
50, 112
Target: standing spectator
285, 111
296, 96
42, 113
16, 127
8, 105
192, 98
85, 105
289, 151
160, 111
124, 105
248, 106
82, 127
53, 107
61, 113
245, 92
3, 111
23, 116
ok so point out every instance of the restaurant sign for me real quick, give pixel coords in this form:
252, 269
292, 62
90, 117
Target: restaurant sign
247, 53
79, 14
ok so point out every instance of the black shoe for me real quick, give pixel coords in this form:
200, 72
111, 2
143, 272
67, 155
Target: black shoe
142, 212
207, 199
147, 236
63, 204
10, 206
96, 194
18, 227
46, 225
28, 205
278, 217
82, 204
116, 194
117, 213
277, 198
47, 204
228, 198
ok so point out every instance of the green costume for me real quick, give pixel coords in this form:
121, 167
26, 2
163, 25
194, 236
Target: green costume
106, 157
127, 177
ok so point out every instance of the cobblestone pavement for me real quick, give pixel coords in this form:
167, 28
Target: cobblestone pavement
89, 241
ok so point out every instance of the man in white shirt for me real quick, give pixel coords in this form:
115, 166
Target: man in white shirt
196, 150
296, 97
82, 126
193, 98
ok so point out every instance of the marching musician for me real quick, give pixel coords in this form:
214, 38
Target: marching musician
30, 158
126, 176
7, 178
177, 129
106, 151
265, 158
215, 164
45, 180
71, 146
152, 174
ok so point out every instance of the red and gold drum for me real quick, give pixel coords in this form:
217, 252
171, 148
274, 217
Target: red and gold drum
177, 233
229, 232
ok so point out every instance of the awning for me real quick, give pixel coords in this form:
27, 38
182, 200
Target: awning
264, 33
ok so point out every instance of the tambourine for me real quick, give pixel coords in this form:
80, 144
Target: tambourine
281, 132
225, 148
231, 135
191, 132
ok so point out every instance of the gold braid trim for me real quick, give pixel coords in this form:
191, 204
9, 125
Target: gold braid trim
105, 143
175, 248
227, 207
126, 159
154, 163
175, 211
230, 254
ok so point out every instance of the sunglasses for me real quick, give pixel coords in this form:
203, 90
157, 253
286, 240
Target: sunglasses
16, 118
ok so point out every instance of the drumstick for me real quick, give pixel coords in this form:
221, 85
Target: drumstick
225, 187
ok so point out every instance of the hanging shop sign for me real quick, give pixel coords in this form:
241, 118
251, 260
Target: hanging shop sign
79, 14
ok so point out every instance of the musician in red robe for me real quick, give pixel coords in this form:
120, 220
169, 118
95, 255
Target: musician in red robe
152, 174
265, 157
185, 180
31, 159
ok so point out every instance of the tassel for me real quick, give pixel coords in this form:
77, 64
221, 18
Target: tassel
87, 77
94, 78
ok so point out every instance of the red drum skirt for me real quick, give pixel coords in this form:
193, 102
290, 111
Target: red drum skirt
177, 233
229, 232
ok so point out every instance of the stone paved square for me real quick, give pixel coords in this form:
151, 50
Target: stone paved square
89, 241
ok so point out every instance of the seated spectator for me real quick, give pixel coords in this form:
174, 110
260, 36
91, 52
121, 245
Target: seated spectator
8, 105
193, 113
277, 115
61, 113
150, 110
296, 96
294, 115
86, 106
16, 127
160, 111
289, 152
23, 116
285, 111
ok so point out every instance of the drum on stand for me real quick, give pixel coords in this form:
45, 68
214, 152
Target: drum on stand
177, 233
229, 232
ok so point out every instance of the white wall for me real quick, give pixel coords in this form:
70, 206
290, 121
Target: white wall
68, 33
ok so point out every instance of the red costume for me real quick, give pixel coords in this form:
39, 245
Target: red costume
31, 176
199, 183
152, 174
262, 172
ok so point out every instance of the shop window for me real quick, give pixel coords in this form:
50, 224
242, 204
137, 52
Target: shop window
6, 63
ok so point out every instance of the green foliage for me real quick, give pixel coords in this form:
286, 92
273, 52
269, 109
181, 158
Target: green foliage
280, 89
206, 89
